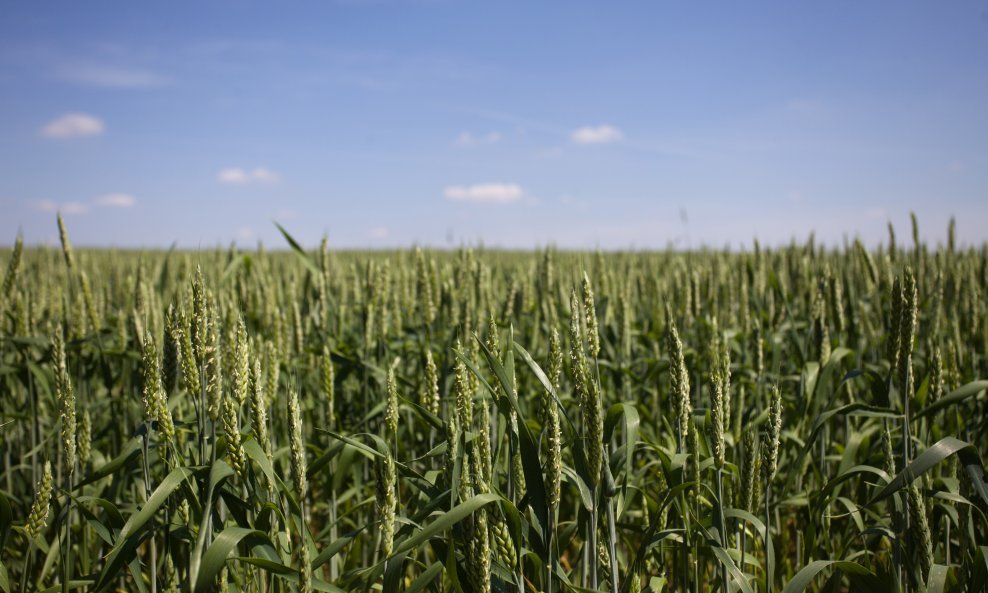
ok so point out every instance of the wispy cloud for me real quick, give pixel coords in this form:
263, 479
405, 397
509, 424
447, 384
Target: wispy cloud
109, 75
116, 200
596, 135
493, 193
240, 176
112, 200
73, 125
467, 139
63, 207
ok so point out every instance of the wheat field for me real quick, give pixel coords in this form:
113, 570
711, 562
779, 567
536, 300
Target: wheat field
798, 418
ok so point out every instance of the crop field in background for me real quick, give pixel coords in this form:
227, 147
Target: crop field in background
786, 419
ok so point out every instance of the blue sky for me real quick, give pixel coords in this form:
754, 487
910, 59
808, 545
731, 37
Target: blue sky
584, 124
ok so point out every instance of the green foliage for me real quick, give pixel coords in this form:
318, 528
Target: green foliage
410, 420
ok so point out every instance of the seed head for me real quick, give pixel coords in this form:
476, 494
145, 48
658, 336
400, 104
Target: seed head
297, 446
554, 468
386, 499
821, 333
555, 374
770, 447
483, 453
922, 539
423, 286
891, 242
304, 566
391, 411
759, 350
590, 311
236, 455
480, 548
429, 398
464, 396
724, 360
65, 396
171, 349
200, 331
85, 438
258, 407
748, 492
90, 303
494, 346
909, 313
680, 381
11, 276
936, 376
214, 368
717, 420
155, 402
328, 377
39, 508
895, 319
63, 236
888, 452
505, 545
241, 365
190, 367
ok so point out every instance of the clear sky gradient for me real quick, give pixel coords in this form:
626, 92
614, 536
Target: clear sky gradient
515, 124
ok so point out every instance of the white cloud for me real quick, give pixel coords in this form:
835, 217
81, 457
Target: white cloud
74, 208
234, 175
378, 233
117, 200
596, 135
239, 176
64, 207
109, 76
263, 175
466, 139
493, 193
73, 125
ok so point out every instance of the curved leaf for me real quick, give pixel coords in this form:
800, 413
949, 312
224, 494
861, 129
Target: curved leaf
302, 255
129, 536
823, 418
219, 550
332, 550
958, 395
130, 452
926, 460
631, 423
732, 513
532, 466
725, 559
804, 577
446, 520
